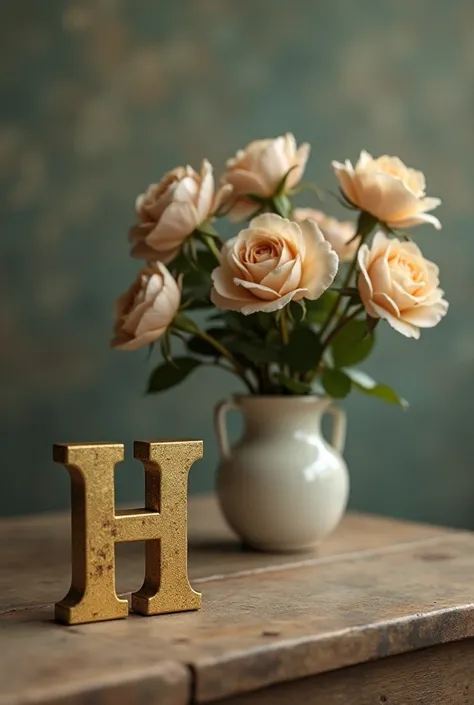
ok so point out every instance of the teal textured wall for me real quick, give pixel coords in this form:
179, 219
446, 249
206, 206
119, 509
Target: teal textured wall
99, 97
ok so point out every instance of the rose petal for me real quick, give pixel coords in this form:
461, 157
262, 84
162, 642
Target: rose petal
406, 329
245, 182
222, 197
270, 306
124, 342
320, 263
383, 195
178, 221
427, 316
273, 164
300, 159
364, 160
380, 274
243, 209
258, 290
364, 283
345, 177
257, 272
206, 192
284, 278
226, 288
227, 304
387, 303
420, 219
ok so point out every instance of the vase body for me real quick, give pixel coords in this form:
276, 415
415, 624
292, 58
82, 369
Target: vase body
283, 486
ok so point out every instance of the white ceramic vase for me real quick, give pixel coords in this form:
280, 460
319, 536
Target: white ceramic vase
282, 487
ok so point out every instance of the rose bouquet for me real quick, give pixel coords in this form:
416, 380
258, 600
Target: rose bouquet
296, 296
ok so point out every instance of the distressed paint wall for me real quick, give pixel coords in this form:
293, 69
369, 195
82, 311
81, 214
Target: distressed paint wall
99, 97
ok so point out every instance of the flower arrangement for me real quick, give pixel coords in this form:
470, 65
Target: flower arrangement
296, 296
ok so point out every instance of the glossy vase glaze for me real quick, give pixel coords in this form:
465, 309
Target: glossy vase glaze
282, 487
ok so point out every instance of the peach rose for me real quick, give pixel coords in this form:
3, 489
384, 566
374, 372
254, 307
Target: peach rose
146, 310
339, 234
272, 262
260, 168
397, 283
172, 209
388, 190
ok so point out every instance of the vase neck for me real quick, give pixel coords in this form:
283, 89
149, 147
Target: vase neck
271, 416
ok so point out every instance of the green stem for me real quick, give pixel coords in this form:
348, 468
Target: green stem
331, 337
340, 326
232, 372
307, 186
210, 243
239, 369
284, 336
363, 231
284, 327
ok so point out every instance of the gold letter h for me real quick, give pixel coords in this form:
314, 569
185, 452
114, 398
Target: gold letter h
96, 527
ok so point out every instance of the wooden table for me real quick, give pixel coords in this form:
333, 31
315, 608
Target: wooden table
382, 613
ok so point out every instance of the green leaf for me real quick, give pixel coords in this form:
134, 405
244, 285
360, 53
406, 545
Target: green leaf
386, 393
350, 292
195, 278
206, 261
151, 347
343, 200
293, 385
371, 323
265, 320
192, 304
236, 321
281, 186
273, 337
254, 351
183, 322
365, 384
207, 229
256, 198
303, 351
198, 346
202, 347
297, 310
317, 311
282, 205
352, 344
169, 374
365, 224
336, 383
166, 346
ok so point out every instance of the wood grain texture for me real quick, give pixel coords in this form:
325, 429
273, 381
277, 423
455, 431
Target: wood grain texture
36, 551
441, 675
376, 589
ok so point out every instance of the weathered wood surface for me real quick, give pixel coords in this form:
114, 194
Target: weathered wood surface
36, 551
377, 588
442, 675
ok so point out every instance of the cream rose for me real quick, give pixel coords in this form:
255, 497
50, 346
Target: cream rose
172, 209
272, 262
146, 310
388, 190
340, 235
398, 284
260, 168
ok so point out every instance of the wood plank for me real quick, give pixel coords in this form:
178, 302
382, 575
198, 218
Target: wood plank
36, 551
271, 626
441, 675
43, 663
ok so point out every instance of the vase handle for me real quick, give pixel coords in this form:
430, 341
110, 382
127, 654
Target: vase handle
220, 415
338, 440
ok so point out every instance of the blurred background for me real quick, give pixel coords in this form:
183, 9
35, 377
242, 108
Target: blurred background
100, 97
